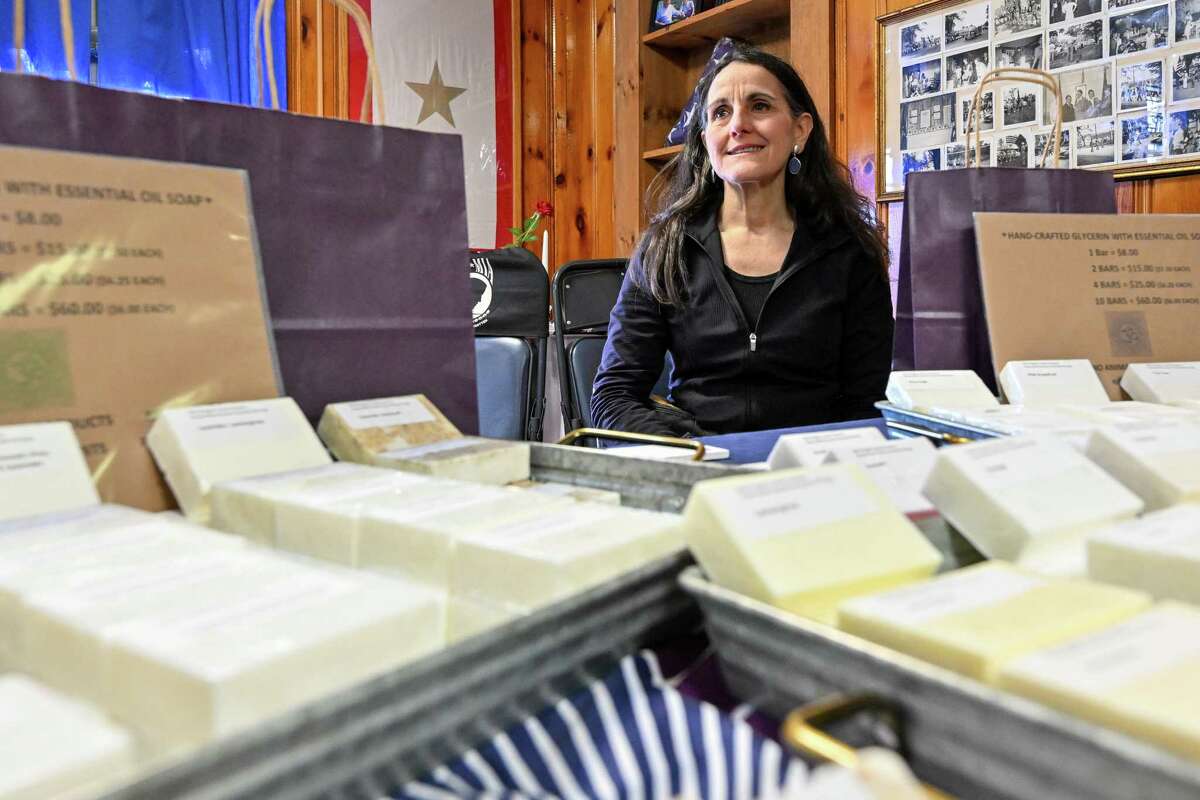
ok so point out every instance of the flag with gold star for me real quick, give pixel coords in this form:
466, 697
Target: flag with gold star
445, 66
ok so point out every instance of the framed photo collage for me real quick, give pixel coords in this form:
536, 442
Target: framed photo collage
1129, 71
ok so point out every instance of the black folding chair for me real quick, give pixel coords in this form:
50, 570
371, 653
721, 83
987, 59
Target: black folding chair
584, 294
511, 317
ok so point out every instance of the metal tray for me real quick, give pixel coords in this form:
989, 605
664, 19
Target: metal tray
398, 726
964, 737
904, 423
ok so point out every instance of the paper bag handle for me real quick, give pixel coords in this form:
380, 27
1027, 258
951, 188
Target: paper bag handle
1027, 75
371, 88
66, 30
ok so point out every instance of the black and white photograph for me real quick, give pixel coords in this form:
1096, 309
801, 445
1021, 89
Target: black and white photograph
1135, 31
1068, 10
1141, 85
920, 39
958, 156
1015, 16
968, 26
1040, 140
1087, 94
921, 79
1076, 44
1094, 143
666, 12
966, 68
1012, 150
1023, 52
1185, 76
1184, 132
1142, 136
1114, 4
928, 122
1187, 20
1019, 105
922, 161
987, 117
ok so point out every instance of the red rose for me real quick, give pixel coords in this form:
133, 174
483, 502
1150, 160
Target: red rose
545, 209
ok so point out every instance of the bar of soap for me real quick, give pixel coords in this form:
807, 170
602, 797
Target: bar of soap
1141, 677
804, 540
1163, 382
466, 617
974, 620
1012, 420
1159, 461
42, 470
1027, 499
899, 467
1158, 553
359, 430
246, 506
288, 637
532, 562
586, 494
202, 445
471, 458
419, 540
1049, 383
923, 389
54, 746
810, 449
1122, 411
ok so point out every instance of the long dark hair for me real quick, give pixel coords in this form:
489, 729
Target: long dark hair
821, 193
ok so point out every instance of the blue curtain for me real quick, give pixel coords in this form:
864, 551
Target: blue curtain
200, 49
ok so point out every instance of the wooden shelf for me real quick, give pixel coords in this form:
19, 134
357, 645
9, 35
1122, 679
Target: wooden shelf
737, 18
662, 153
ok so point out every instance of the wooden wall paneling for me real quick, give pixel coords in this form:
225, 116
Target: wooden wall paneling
1179, 195
537, 145
603, 210
812, 53
856, 90
627, 159
317, 58
574, 107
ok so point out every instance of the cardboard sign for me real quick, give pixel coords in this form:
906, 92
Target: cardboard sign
126, 286
1114, 289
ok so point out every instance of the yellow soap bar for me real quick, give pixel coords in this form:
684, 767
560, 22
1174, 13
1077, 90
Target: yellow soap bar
359, 430
804, 539
467, 617
1141, 677
974, 620
469, 458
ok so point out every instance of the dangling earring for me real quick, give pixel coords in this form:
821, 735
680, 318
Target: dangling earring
794, 161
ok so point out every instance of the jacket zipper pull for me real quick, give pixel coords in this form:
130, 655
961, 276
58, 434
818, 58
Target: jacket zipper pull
753, 342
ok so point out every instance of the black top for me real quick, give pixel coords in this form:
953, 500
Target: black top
751, 292
819, 350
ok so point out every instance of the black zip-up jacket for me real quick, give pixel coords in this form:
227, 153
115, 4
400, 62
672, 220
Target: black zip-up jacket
820, 350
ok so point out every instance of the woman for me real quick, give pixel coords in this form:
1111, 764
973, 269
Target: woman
761, 273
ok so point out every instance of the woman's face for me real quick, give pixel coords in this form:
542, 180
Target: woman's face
749, 130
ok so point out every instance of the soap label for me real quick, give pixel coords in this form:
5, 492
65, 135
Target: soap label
1175, 380
1132, 651
899, 467
230, 424
1174, 531
953, 593
386, 412
42, 470
1158, 438
767, 508
535, 528
1006, 462
1055, 373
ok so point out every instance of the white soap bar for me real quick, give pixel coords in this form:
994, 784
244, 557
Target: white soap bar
1017, 420
466, 617
246, 506
810, 449
804, 540
470, 458
1048, 383
42, 470
1159, 461
1158, 553
899, 467
321, 518
418, 540
199, 446
1128, 411
1027, 499
921, 389
974, 620
359, 430
662, 452
585, 494
1162, 383
184, 677
53, 746
1141, 677
532, 562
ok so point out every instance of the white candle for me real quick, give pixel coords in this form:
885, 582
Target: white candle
546, 250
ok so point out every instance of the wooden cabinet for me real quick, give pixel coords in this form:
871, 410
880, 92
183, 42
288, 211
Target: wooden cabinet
657, 72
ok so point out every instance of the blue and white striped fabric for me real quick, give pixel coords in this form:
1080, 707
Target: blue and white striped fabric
629, 735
